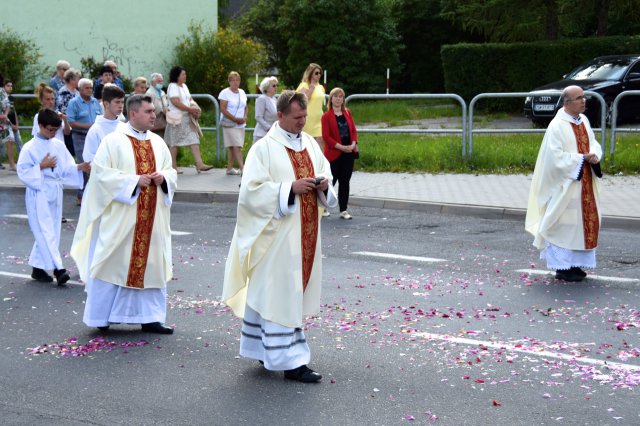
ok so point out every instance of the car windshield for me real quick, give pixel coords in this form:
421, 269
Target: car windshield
600, 70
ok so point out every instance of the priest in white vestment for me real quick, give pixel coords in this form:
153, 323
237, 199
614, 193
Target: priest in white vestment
563, 212
273, 272
45, 166
113, 105
122, 244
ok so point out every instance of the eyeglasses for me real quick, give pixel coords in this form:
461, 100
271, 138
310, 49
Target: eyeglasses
51, 129
274, 85
579, 98
317, 73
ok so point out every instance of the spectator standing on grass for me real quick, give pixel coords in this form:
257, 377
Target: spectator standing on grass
266, 112
44, 166
65, 94
563, 212
233, 118
310, 86
6, 129
340, 146
160, 102
182, 116
81, 113
57, 81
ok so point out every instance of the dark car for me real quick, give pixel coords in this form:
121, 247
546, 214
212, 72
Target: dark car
606, 75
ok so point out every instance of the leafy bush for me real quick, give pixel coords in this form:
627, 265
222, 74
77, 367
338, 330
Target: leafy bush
19, 58
209, 56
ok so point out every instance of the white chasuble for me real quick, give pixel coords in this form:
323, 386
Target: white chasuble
132, 241
265, 267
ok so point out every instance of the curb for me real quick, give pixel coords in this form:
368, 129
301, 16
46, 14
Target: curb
482, 212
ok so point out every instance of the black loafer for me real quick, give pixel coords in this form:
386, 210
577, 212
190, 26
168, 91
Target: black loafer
62, 276
41, 275
302, 374
578, 271
156, 327
568, 275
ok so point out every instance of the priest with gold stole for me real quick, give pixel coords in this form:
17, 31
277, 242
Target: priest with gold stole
563, 212
274, 268
122, 244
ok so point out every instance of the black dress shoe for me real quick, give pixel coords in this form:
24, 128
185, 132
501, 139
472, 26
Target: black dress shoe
568, 275
578, 271
156, 327
302, 374
62, 276
103, 328
41, 275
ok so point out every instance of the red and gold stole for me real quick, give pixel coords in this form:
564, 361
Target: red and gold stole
590, 221
145, 213
303, 168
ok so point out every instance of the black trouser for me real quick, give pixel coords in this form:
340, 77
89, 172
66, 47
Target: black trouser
68, 142
341, 169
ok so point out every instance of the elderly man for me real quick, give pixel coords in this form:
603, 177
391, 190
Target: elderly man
274, 268
57, 81
81, 114
122, 244
564, 212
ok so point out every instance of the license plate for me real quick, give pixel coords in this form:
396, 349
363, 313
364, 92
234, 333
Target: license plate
544, 107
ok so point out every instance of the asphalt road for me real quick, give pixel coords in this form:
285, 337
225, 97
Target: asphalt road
464, 331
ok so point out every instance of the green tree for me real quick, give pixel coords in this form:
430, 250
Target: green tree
209, 56
356, 41
19, 58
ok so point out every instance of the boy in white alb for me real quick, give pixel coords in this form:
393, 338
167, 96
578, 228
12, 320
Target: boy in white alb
113, 102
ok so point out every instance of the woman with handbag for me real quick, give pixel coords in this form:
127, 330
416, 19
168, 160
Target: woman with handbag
341, 146
233, 118
159, 98
181, 115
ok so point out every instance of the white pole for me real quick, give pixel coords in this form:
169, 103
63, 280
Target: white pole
387, 81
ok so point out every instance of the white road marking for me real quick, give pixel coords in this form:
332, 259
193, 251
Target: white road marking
28, 277
180, 233
528, 350
399, 256
591, 277
25, 217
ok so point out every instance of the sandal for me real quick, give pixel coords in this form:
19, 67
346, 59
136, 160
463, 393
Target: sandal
233, 172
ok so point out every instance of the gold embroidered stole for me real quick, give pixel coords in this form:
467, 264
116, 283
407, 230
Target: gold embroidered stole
590, 221
145, 213
303, 168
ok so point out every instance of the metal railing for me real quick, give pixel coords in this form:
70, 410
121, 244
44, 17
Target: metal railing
214, 101
473, 102
453, 96
614, 118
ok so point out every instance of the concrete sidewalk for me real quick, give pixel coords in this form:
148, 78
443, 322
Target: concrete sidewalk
486, 196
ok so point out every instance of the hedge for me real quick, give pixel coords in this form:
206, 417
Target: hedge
470, 69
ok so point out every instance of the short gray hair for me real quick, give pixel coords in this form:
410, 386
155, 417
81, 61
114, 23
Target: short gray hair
155, 75
264, 84
62, 64
71, 74
110, 63
85, 82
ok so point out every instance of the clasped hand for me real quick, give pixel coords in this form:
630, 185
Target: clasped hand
591, 158
304, 185
154, 178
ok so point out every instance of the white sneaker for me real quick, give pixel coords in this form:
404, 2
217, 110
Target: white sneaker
345, 215
326, 213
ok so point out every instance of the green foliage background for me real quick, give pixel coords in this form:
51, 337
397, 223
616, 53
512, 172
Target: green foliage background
19, 58
209, 56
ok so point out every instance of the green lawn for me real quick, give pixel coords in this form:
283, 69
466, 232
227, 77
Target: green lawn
497, 153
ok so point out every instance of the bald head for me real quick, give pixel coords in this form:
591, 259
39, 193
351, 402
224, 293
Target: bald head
573, 100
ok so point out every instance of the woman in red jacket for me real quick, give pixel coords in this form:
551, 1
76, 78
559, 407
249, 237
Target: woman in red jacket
340, 146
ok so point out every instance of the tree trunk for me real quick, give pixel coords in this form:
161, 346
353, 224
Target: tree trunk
602, 11
552, 24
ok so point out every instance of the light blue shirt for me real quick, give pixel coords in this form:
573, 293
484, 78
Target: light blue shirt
83, 112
